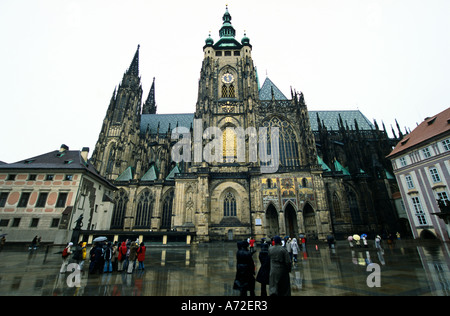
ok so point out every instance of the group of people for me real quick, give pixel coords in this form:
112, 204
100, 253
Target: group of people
276, 258
355, 240
106, 257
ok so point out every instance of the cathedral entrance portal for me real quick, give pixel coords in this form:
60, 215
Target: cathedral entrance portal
310, 221
272, 228
290, 218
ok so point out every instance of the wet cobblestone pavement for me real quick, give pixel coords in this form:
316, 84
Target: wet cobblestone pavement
409, 268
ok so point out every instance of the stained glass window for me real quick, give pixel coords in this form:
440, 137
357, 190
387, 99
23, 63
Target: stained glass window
144, 211
288, 145
229, 205
166, 221
120, 207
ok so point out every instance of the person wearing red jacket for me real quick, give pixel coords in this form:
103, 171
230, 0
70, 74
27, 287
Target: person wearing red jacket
141, 256
122, 256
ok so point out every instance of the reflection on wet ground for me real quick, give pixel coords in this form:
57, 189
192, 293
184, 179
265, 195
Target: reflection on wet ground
407, 268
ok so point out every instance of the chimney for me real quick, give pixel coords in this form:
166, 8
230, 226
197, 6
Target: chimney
84, 153
63, 148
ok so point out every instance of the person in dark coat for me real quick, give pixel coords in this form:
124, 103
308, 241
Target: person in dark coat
280, 267
97, 260
245, 270
264, 271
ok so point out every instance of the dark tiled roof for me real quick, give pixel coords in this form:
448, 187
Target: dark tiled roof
152, 120
428, 129
265, 93
331, 119
55, 160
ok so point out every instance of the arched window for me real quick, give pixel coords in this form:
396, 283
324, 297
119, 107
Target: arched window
229, 205
120, 109
110, 163
228, 91
229, 143
231, 93
120, 207
336, 206
288, 145
166, 220
353, 206
144, 211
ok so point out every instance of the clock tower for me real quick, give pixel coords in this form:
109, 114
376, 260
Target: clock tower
228, 86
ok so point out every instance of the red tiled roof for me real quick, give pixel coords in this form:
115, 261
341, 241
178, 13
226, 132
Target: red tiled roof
429, 128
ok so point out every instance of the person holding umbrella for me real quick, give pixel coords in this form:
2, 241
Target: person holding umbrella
350, 241
357, 239
364, 238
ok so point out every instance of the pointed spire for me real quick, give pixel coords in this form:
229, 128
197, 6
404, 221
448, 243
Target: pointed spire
150, 104
134, 66
227, 29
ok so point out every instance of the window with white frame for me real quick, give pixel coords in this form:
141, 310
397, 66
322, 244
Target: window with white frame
409, 182
435, 175
442, 196
403, 161
418, 211
426, 152
446, 144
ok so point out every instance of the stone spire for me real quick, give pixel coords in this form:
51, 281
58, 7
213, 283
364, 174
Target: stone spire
150, 105
134, 67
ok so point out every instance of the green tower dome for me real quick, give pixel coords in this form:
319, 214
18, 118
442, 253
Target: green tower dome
209, 41
245, 40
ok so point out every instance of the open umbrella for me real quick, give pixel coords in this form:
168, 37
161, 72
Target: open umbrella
364, 236
99, 239
3, 235
356, 237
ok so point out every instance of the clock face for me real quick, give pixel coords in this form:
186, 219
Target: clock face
227, 78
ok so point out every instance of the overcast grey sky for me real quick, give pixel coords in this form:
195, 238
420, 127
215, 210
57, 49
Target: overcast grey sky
60, 60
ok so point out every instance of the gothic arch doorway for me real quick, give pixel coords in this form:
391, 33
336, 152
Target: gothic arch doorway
290, 219
309, 217
272, 227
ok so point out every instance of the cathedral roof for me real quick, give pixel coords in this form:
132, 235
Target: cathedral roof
331, 119
172, 173
323, 164
152, 121
127, 175
150, 175
268, 89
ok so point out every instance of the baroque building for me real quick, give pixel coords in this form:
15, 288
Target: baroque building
45, 195
248, 162
421, 166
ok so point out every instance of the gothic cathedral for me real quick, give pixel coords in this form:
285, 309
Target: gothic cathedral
235, 178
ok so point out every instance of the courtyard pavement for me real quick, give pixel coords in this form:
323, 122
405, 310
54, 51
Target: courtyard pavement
408, 268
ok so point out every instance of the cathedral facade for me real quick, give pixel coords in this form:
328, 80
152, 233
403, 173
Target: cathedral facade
248, 162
